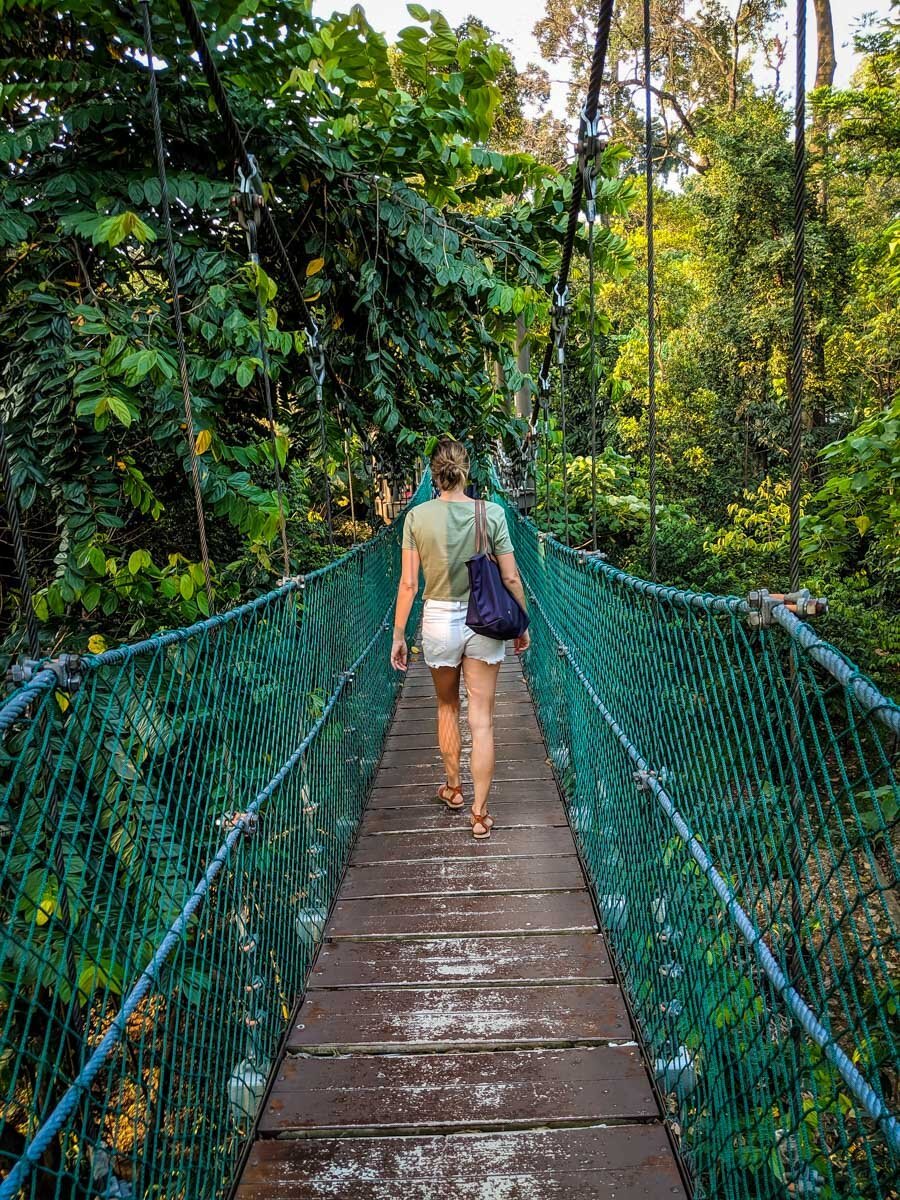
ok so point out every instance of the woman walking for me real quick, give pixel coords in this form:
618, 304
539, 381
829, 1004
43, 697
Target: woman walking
440, 537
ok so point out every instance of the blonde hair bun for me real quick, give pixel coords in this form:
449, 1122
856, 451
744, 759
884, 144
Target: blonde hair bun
450, 465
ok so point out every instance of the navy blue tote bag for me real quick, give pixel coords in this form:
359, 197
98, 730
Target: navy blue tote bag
493, 611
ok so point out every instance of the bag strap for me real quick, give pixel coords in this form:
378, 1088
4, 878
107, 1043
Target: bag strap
479, 526
482, 541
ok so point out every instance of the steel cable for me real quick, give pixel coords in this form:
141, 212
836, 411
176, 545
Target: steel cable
20, 550
651, 287
588, 116
798, 324
172, 270
267, 394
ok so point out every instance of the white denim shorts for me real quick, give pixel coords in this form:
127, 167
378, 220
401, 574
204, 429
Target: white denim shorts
446, 638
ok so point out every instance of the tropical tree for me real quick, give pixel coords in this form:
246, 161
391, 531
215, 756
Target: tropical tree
415, 245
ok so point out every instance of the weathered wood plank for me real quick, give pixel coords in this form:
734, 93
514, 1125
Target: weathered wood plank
559, 873
374, 1020
506, 771
422, 791
507, 813
427, 757
426, 701
459, 843
552, 958
446, 1092
427, 738
458, 915
426, 717
590, 1163
462, 986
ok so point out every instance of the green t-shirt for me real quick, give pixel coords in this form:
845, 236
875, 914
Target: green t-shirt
443, 532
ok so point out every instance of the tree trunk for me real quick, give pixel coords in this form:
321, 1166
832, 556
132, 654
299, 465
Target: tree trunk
735, 55
825, 59
523, 355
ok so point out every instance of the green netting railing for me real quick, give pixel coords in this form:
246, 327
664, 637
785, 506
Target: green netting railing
735, 795
173, 832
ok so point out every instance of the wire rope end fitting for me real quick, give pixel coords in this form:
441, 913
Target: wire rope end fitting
762, 604
248, 201
67, 668
588, 151
559, 320
299, 581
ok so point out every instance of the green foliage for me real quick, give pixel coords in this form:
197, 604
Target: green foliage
723, 325
417, 242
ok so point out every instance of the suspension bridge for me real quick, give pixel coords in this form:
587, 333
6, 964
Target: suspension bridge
244, 955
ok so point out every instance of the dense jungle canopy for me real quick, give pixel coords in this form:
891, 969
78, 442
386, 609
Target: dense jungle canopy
420, 189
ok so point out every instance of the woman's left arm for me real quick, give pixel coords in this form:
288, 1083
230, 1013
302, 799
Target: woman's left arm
406, 594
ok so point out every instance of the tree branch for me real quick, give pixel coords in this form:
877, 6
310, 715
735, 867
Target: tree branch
667, 97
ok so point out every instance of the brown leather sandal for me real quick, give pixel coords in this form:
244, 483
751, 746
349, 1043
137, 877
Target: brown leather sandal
485, 820
455, 800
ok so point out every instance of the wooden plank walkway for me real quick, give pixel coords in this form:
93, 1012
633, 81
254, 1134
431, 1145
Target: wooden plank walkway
462, 1035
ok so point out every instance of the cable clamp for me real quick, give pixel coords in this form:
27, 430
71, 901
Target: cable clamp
562, 651
642, 779
67, 669
802, 604
315, 353
590, 137
248, 822
248, 201
559, 321
588, 149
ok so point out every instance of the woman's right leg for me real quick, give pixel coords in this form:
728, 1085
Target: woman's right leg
446, 687
481, 685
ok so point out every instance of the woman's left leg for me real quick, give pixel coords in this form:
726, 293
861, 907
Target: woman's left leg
481, 685
446, 687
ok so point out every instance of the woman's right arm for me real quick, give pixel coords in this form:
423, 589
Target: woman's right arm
406, 594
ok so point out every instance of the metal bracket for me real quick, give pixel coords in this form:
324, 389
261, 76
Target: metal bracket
315, 353
588, 149
642, 779
802, 604
671, 1009
559, 321
299, 580
231, 820
248, 203
67, 668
